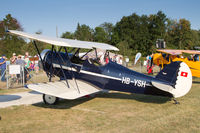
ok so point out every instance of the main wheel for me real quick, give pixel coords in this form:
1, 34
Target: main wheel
48, 99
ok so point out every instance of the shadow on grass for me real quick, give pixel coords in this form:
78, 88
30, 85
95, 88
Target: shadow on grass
34, 92
64, 104
7, 98
137, 97
67, 104
196, 82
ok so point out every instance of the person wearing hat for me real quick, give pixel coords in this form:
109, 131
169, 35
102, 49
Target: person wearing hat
22, 63
3, 67
13, 59
19, 61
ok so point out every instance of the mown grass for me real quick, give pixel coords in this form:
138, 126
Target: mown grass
36, 78
4, 90
11, 91
113, 112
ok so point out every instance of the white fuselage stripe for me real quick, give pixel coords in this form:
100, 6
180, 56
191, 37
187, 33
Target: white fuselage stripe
91, 73
86, 72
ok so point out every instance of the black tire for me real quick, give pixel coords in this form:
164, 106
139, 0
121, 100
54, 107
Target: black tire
50, 100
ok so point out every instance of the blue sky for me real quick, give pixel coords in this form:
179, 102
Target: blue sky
45, 15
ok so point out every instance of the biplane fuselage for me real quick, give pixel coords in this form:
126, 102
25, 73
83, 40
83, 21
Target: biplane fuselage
111, 76
80, 77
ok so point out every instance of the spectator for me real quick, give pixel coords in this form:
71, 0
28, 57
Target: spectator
151, 59
20, 62
32, 66
26, 55
114, 58
27, 61
120, 61
117, 59
196, 57
36, 67
3, 67
13, 59
107, 60
27, 67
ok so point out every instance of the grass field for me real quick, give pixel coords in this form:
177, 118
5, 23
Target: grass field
113, 113
36, 78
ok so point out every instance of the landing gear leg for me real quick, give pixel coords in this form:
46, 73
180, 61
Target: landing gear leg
175, 101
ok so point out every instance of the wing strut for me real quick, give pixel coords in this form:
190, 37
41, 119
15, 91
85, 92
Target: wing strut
50, 75
58, 54
86, 53
72, 71
40, 57
51, 69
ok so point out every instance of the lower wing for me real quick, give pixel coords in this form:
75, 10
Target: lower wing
60, 89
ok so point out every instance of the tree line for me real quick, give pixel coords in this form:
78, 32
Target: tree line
132, 34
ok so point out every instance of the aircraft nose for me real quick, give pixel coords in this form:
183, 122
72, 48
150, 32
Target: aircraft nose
43, 53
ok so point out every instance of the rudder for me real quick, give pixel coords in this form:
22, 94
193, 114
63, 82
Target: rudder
178, 74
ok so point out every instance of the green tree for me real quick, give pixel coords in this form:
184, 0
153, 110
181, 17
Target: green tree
134, 30
143, 40
184, 32
100, 35
171, 33
9, 43
68, 35
124, 48
179, 34
126, 30
157, 25
195, 40
108, 27
157, 28
84, 33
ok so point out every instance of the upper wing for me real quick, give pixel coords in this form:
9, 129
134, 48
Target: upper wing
64, 42
191, 51
170, 51
178, 52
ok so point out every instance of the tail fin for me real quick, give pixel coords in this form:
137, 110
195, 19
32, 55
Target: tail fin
178, 74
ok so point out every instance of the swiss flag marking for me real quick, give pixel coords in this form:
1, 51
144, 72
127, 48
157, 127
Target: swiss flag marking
184, 74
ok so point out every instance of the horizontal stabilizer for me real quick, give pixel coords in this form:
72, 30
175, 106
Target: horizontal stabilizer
161, 86
60, 89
